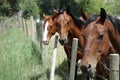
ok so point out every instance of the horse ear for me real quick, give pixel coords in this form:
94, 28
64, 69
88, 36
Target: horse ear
68, 10
55, 11
44, 15
102, 15
84, 15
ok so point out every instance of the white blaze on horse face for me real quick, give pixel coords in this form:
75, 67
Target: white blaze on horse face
45, 32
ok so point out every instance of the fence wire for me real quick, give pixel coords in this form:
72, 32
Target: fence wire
62, 65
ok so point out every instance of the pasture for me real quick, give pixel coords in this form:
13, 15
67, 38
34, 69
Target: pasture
20, 58
20, 54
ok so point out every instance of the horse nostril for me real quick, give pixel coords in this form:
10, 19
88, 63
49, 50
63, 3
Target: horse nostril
46, 42
88, 66
65, 39
61, 41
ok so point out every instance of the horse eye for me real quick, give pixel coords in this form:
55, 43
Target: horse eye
49, 28
58, 25
82, 34
100, 37
68, 22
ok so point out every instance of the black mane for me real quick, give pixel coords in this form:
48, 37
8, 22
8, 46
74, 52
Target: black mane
77, 21
60, 12
90, 20
116, 22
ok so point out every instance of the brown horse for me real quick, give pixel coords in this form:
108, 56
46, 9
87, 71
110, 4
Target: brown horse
114, 33
69, 27
49, 28
98, 46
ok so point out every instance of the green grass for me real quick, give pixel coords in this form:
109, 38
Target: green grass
17, 55
20, 58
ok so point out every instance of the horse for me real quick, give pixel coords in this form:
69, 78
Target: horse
49, 28
114, 33
97, 33
69, 27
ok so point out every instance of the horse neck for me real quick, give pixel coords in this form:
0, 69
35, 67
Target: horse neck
114, 36
75, 32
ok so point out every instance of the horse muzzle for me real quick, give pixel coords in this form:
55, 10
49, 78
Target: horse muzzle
63, 41
86, 70
45, 42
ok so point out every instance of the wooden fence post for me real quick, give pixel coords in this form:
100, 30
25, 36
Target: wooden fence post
114, 67
19, 19
39, 33
23, 23
73, 58
38, 29
26, 24
32, 28
54, 58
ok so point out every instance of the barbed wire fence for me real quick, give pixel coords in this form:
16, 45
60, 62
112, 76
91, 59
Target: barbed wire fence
33, 29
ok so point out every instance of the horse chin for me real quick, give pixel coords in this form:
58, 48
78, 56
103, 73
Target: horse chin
63, 42
45, 42
89, 72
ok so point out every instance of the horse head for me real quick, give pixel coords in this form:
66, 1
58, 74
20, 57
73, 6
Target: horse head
49, 28
97, 43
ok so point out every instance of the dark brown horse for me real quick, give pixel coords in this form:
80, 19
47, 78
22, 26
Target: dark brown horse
50, 29
97, 32
69, 27
114, 33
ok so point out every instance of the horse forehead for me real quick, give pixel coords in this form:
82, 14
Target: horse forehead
100, 28
90, 26
62, 17
46, 24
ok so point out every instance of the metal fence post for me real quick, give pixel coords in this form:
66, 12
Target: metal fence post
19, 19
73, 58
114, 67
32, 28
54, 58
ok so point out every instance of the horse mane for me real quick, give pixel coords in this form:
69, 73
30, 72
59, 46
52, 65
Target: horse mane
116, 22
90, 20
77, 21
60, 12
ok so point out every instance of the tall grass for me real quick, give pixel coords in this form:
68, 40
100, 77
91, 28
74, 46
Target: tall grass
18, 59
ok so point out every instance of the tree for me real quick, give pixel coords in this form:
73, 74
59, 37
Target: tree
14, 5
93, 6
4, 8
116, 8
29, 8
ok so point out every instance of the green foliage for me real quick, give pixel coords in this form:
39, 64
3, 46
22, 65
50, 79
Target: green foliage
4, 8
29, 8
10, 7
93, 6
45, 6
14, 6
35, 7
116, 7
